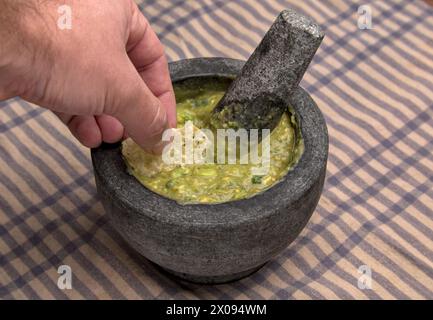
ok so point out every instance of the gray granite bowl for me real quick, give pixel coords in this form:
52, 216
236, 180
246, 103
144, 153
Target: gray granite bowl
221, 242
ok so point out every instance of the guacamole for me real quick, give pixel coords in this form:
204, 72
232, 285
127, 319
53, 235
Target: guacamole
212, 182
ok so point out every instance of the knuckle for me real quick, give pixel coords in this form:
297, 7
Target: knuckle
157, 122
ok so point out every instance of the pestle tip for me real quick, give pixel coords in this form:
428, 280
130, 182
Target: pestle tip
302, 22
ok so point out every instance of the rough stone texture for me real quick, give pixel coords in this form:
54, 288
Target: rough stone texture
222, 242
256, 99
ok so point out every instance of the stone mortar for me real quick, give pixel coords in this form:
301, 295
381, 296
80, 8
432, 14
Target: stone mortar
222, 242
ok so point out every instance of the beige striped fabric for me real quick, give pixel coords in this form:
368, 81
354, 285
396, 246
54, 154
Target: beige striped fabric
371, 236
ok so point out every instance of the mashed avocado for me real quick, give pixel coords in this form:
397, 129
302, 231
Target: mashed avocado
212, 182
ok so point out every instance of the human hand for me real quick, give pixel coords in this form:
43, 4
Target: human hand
105, 77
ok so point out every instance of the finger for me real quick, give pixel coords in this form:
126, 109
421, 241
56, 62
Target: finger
152, 75
147, 54
134, 105
111, 129
86, 130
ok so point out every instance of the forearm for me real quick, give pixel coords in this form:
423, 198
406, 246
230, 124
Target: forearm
22, 39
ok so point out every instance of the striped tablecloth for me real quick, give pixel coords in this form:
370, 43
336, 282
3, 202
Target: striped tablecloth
375, 88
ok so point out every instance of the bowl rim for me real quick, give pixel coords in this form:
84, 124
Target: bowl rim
130, 195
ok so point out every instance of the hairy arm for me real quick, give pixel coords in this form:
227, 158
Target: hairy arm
25, 40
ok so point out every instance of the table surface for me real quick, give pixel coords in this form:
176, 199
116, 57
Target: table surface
374, 87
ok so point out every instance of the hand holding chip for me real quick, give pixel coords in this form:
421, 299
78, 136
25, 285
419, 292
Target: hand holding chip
105, 77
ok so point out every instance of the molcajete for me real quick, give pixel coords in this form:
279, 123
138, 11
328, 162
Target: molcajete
214, 243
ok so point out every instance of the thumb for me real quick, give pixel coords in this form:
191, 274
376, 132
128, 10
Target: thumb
137, 108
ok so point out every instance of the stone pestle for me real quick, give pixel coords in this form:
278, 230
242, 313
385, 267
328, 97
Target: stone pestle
259, 96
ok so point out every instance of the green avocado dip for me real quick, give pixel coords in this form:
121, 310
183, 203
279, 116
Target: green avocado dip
212, 182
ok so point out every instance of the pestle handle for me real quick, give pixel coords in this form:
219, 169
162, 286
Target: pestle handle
259, 96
